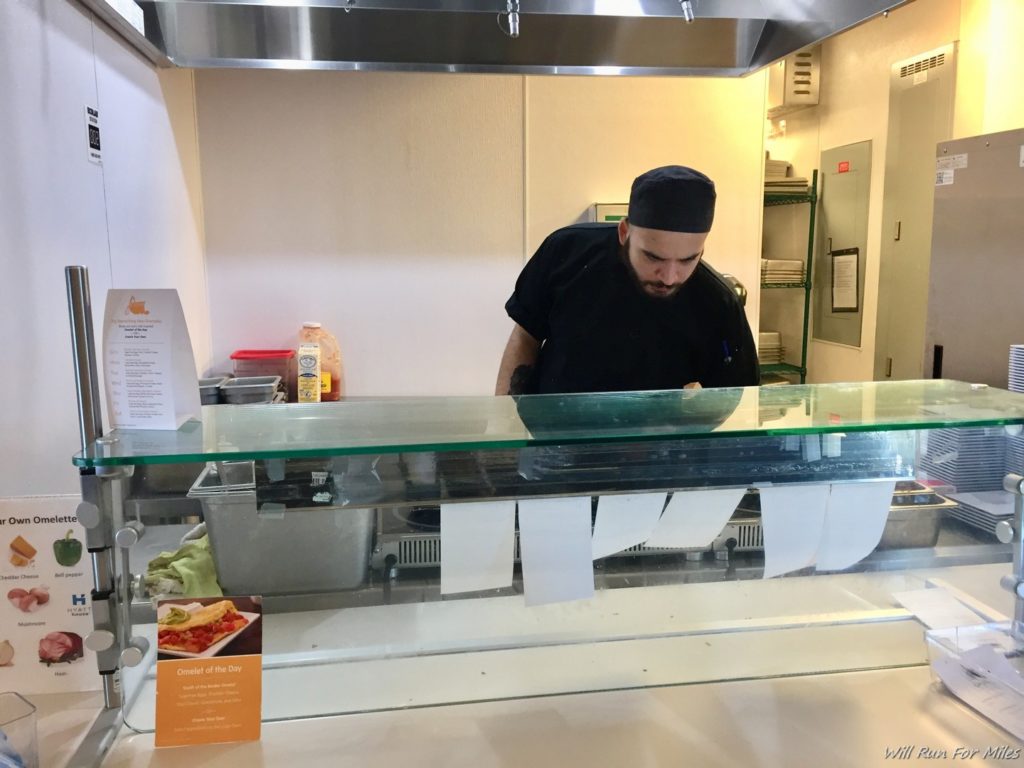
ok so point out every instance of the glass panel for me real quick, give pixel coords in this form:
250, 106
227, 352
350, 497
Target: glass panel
387, 426
349, 568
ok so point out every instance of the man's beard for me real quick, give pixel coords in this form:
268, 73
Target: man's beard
646, 286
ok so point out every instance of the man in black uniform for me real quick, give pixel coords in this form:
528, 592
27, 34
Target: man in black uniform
601, 308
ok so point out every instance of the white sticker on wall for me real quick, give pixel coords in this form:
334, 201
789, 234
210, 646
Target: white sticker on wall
1022, 155
92, 134
951, 161
944, 177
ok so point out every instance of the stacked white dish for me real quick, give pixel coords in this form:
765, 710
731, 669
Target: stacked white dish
983, 509
790, 185
1016, 371
1015, 443
983, 502
970, 460
769, 347
777, 169
782, 271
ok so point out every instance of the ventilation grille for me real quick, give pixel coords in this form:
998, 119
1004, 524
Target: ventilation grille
414, 552
425, 550
803, 73
421, 551
749, 536
922, 65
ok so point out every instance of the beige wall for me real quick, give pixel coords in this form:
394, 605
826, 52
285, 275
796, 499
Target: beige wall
411, 201
589, 137
990, 97
854, 107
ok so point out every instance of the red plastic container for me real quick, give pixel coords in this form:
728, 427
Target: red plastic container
267, 362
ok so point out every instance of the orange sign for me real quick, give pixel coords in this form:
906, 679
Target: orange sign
208, 670
208, 701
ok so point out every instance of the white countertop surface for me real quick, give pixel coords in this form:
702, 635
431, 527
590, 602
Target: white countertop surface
844, 718
847, 719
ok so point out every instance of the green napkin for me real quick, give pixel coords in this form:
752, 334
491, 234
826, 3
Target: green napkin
187, 571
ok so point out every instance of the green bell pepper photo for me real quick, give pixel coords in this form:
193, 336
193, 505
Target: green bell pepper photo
68, 550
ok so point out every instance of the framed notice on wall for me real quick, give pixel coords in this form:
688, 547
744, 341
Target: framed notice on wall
845, 269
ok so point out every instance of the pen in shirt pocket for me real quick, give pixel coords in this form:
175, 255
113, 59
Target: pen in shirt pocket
726, 351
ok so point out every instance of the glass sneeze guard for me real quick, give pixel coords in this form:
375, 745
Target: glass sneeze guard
440, 424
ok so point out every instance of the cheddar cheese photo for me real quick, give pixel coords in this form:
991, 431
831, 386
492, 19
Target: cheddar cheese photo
22, 553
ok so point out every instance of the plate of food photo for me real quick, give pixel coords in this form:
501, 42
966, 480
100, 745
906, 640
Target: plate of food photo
197, 631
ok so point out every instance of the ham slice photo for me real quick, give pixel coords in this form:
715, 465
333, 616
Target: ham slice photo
60, 648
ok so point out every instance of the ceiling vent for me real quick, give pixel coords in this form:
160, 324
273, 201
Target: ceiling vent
923, 65
794, 82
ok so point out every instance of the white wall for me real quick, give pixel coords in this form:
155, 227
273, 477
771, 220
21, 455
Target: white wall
133, 222
397, 209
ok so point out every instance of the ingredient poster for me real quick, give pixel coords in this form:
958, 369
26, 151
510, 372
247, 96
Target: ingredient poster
45, 573
209, 670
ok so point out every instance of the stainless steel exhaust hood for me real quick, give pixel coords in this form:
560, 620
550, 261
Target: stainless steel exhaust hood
577, 37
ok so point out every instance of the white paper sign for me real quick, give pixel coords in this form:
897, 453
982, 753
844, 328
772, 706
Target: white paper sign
625, 520
45, 612
854, 521
695, 518
149, 370
951, 161
945, 177
555, 550
966, 678
477, 546
812, 448
93, 146
937, 609
845, 277
792, 518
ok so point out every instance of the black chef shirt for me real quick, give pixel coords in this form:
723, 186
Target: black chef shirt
602, 333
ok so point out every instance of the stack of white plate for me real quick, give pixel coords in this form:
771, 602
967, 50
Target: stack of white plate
782, 271
967, 459
984, 509
769, 347
1017, 368
1015, 443
1015, 454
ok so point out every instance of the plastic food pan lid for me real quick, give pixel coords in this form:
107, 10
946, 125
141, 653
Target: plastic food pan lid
268, 383
262, 354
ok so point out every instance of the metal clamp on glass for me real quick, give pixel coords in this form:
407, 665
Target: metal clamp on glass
1010, 533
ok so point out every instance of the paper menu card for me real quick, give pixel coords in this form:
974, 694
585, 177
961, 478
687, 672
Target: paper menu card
555, 549
625, 520
477, 546
149, 369
695, 518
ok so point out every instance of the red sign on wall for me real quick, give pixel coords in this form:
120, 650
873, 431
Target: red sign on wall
844, 167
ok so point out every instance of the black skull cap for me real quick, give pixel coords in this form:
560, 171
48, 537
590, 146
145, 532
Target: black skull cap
673, 198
